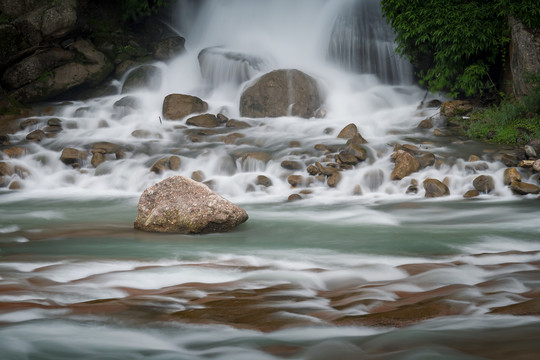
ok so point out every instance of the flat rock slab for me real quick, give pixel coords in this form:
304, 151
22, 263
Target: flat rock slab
181, 205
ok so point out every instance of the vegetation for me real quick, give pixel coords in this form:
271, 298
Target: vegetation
137, 9
511, 122
458, 46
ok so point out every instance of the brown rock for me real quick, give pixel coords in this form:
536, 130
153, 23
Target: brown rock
511, 175
72, 156
527, 164
313, 170
334, 179
204, 120
5, 169
231, 138
536, 165
427, 159
14, 151
281, 93
295, 180
238, 124
97, 159
174, 163
263, 180
471, 194
521, 188
474, 158
456, 108
405, 165
426, 124
348, 132
484, 184
435, 188
294, 197
357, 190
181, 205
36, 135
291, 165
178, 106
346, 158
260, 156
198, 176
357, 139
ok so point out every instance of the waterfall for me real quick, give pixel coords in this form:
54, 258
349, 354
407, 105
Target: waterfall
363, 42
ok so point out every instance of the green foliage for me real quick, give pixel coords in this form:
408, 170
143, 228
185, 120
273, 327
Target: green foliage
512, 122
137, 9
464, 40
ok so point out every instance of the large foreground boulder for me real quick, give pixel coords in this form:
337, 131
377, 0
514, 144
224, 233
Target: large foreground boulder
181, 205
282, 93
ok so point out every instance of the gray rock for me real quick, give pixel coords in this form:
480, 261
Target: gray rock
143, 77
181, 205
169, 48
524, 56
281, 93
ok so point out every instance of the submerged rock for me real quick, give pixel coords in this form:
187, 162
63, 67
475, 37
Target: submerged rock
181, 205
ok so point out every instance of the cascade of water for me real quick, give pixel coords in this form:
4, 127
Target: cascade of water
230, 44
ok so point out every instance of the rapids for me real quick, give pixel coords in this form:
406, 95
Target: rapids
381, 275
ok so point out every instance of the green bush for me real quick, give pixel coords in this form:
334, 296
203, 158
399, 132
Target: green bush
137, 9
463, 42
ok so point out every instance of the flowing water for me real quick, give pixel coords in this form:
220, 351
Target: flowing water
337, 275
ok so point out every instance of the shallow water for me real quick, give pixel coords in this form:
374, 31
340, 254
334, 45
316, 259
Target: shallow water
382, 275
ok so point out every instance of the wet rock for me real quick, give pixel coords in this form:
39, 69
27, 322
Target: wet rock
529, 151
456, 108
28, 123
5, 169
471, 194
108, 148
334, 179
181, 205
178, 106
474, 158
238, 124
356, 150
33, 67
536, 165
405, 164
435, 188
145, 134
426, 160
15, 185
259, 156
357, 190
426, 124
223, 118
357, 139
54, 122
527, 164
72, 156
521, 188
91, 70
14, 151
348, 132
146, 77
127, 104
98, 158
413, 187
484, 184
295, 144
346, 158
169, 48
281, 93
231, 138
198, 176
439, 132
291, 165
204, 120
36, 135
295, 180
313, 170
174, 163
511, 175
263, 181
374, 179
294, 197
434, 103
165, 164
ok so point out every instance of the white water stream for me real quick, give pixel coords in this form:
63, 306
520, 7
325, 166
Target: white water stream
76, 281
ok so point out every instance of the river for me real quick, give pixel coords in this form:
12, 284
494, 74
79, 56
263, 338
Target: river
384, 274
